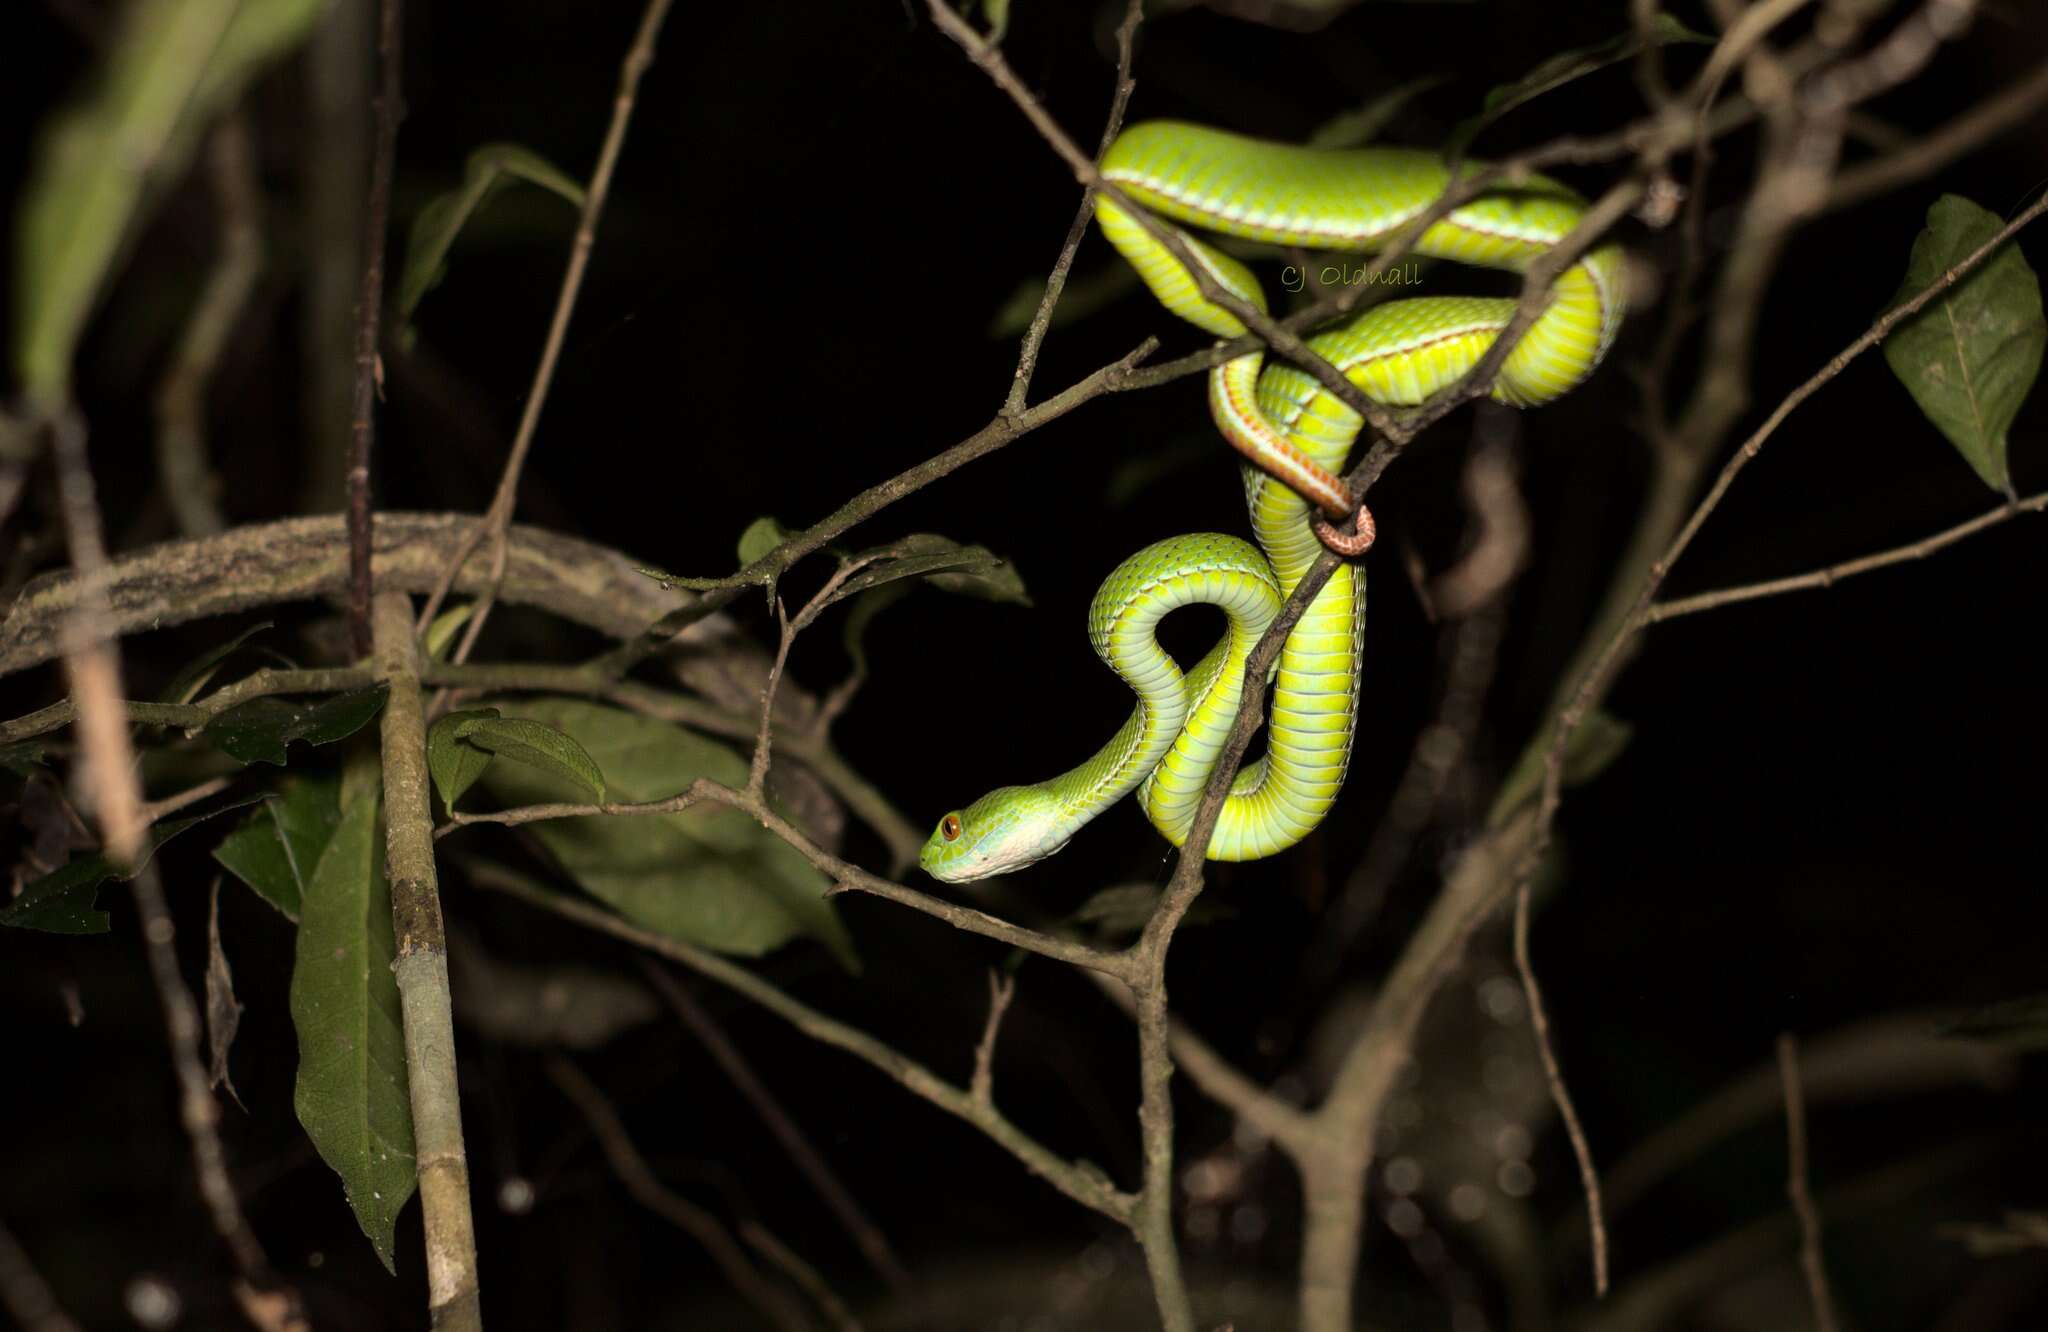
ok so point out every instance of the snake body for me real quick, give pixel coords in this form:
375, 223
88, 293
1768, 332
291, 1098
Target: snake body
1296, 434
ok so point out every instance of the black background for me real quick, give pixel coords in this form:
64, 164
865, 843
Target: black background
1830, 810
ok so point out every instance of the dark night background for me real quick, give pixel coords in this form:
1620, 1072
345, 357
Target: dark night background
1830, 810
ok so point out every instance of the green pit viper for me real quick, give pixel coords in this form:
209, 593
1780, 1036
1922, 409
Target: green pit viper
1296, 435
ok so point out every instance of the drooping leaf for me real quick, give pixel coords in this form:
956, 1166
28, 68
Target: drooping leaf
172, 66
440, 635
535, 744
1597, 742
973, 571
351, 1094
455, 763
258, 731
709, 875
762, 535
186, 684
1971, 354
489, 169
65, 901
276, 848
223, 1010
1566, 67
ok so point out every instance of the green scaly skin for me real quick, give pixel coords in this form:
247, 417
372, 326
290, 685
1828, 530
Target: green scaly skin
1296, 435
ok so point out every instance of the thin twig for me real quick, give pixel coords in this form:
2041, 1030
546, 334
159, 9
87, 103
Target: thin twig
763, 1241
1082, 1183
1926, 155
1560, 1094
191, 717
499, 517
1056, 281
24, 1293
1834, 573
390, 108
1001, 990
1796, 1187
648, 1190
92, 653
846, 877
187, 475
197, 1109
867, 1236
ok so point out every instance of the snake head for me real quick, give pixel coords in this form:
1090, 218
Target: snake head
1005, 830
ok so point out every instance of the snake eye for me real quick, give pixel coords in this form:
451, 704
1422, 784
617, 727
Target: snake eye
949, 827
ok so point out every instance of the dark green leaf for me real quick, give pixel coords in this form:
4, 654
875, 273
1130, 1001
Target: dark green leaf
535, 744
274, 851
709, 875
185, 686
1121, 910
351, 1092
1562, 68
65, 901
1970, 356
973, 571
1597, 742
762, 535
454, 762
258, 731
490, 168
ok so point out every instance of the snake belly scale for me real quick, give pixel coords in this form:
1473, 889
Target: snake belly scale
1295, 435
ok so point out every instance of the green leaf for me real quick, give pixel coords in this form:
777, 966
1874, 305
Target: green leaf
710, 875
973, 571
258, 731
276, 848
2020, 1023
535, 744
1081, 297
65, 901
1597, 742
490, 169
185, 686
1122, 910
440, 635
351, 1092
1562, 68
1970, 356
172, 66
762, 535
454, 762
998, 12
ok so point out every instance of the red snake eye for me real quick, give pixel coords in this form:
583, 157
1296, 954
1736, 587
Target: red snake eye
949, 827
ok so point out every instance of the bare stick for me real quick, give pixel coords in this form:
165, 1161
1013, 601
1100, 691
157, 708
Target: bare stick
638, 57
1056, 281
1925, 156
1001, 989
182, 465
25, 1294
369, 316
867, 1236
422, 970
1834, 573
1084, 1184
648, 1190
1796, 1187
197, 1109
1560, 1095
92, 655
